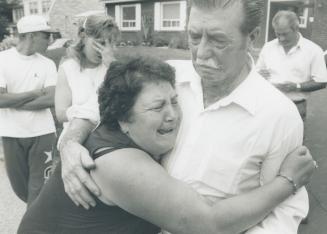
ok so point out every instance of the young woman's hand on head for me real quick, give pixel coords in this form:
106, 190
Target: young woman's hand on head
106, 51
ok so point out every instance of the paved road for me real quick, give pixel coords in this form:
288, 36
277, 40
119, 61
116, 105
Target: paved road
11, 208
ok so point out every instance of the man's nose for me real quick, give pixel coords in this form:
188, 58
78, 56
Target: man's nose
204, 49
281, 38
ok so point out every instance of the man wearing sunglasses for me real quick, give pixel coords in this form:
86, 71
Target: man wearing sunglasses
27, 82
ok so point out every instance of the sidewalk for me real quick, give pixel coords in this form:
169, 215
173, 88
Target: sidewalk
316, 140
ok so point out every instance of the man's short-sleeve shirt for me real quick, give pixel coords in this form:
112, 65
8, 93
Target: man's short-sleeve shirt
303, 62
20, 73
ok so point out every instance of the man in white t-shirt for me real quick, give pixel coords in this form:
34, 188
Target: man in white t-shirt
27, 84
294, 64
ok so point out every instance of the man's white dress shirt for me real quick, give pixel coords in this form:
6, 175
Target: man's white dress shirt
237, 144
303, 62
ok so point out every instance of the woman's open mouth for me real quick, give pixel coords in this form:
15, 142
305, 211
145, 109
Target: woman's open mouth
165, 131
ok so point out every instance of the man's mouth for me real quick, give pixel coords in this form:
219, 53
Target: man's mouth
206, 68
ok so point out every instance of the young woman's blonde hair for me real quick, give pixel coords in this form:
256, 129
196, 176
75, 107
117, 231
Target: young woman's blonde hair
92, 26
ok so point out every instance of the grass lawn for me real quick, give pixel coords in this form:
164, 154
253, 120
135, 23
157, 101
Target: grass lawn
161, 53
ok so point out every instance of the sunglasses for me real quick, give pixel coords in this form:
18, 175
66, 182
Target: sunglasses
46, 35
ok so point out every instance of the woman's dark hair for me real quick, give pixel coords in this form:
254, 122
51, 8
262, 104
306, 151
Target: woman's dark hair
123, 82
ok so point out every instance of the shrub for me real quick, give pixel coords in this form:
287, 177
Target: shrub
178, 43
159, 41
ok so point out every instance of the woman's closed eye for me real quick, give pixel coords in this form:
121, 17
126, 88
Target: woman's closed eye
157, 107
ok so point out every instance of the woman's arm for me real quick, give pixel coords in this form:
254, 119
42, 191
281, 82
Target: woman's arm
63, 96
132, 180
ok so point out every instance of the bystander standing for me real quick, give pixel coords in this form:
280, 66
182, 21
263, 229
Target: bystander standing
27, 83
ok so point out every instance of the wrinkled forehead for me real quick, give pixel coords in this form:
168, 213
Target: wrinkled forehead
282, 22
223, 18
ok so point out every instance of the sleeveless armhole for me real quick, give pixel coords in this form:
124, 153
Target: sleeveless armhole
102, 151
103, 141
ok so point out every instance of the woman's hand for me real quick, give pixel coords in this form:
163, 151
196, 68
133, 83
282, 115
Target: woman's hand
77, 180
106, 52
299, 166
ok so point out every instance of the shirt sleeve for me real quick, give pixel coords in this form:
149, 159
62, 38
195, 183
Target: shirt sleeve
88, 110
261, 61
3, 83
318, 67
286, 217
51, 79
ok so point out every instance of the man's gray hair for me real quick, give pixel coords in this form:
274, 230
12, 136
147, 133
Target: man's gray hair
290, 16
253, 10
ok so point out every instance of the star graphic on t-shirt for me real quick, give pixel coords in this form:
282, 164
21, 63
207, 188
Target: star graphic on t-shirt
49, 157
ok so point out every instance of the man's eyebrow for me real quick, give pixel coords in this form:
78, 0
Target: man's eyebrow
217, 33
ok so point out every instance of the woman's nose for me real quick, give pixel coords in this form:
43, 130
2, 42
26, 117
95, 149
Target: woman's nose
171, 113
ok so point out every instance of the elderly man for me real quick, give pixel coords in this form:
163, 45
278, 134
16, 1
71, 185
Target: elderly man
27, 82
236, 129
292, 63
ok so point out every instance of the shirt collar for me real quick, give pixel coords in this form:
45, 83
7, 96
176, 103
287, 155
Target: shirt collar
298, 45
244, 95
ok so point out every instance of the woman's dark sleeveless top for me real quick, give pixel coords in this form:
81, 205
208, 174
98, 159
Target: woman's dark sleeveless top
53, 212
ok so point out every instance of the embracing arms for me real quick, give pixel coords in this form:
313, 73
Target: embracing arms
75, 163
147, 191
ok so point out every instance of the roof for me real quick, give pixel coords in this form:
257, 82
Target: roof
121, 1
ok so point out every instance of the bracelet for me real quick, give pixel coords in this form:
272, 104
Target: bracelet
289, 179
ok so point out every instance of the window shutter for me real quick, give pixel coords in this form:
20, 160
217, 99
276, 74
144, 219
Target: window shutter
157, 16
138, 16
117, 16
183, 9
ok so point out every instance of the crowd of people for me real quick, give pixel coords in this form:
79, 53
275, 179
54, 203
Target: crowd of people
150, 146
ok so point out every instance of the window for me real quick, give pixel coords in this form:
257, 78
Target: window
46, 6
303, 17
170, 16
33, 6
17, 14
128, 17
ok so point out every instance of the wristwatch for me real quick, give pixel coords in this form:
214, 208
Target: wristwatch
298, 86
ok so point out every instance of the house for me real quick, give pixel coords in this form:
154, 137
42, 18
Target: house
17, 10
142, 20
62, 14
37, 7
145, 20
65, 14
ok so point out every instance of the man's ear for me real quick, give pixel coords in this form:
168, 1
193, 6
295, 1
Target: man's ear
254, 34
